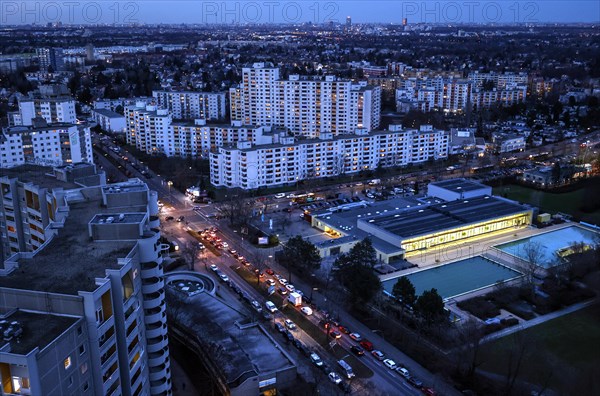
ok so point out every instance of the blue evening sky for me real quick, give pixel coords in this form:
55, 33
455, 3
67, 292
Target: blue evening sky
265, 11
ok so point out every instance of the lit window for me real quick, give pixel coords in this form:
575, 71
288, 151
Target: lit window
67, 362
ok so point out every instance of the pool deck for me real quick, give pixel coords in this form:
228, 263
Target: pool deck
480, 247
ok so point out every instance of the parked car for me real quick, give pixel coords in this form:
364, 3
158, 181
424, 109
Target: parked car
169, 218
344, 329
214, 267
403, 372
256, 305
428, 391
306, 311
290, 288
271, 307
289, 324
283, 281
378, 354
355, 336
316, 359
280, 195
334, 377
358, 351
389, 363
335, 334
270, 282
269, 271
368, 345
223, 277
279, 327
282, 290
414, 381
289, 336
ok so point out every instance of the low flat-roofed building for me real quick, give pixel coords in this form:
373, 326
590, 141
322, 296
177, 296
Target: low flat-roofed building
452, 189
245, 357
402, 227
341, 223
432, 226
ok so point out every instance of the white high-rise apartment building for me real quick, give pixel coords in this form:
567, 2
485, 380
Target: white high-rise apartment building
254, 101
146, 126
43, 144
53, 103
452, 95
153, 131
287, 160
306, 105
192, 105
84, 314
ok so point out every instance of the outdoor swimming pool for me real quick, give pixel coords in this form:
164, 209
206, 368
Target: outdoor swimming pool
550, 243
458, 277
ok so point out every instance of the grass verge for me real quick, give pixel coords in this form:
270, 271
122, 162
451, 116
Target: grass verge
563, 352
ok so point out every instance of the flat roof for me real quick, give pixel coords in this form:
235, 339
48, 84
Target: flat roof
109, 113
128, 218
459, 185
243, 349
41, 176
346, 221
39, 330
437, 217
71, 261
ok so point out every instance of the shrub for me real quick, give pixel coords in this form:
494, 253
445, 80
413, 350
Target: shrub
479, 307
518, 311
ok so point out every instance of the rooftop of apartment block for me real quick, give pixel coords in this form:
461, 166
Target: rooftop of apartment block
71, 261
39, 330
41, 176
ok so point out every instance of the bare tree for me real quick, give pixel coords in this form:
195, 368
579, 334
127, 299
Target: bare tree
470, 335
236, 208
518, 353
260, 260
190, 252
534, 253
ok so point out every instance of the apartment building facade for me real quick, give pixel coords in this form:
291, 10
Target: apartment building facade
45, 144
90, 300
109, 120
192, 105
53, 103
454, 95
306, 105
286, 160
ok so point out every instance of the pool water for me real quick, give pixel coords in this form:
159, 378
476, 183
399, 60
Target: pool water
457, 278
550, 243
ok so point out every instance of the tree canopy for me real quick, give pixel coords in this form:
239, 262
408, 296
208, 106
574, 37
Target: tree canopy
355, 272
301, 254
430, 306
404, 291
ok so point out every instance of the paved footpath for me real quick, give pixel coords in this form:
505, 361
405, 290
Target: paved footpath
538, 320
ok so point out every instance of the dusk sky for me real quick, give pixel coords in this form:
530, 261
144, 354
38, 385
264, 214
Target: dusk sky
195, 11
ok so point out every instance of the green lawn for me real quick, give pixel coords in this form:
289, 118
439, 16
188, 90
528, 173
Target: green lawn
568, 202
565, 350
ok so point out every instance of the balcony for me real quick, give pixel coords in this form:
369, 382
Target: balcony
157, 358
160, 386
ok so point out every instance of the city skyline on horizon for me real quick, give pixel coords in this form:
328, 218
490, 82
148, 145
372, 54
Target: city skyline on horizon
264, 12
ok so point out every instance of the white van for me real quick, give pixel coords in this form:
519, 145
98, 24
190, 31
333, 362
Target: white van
346, 368
271, 307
